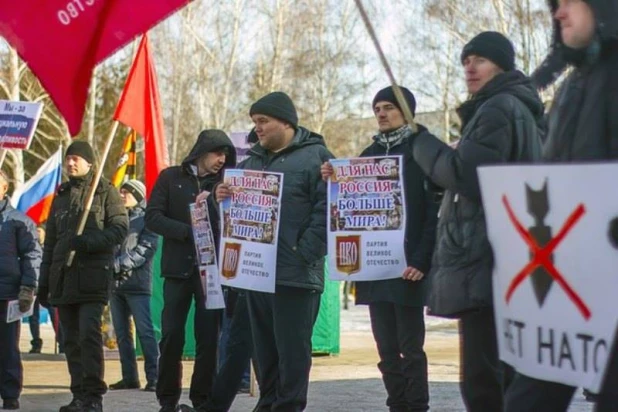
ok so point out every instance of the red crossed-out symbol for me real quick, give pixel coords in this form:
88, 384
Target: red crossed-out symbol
541, 256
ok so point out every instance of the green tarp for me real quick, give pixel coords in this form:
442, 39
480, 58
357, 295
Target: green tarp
325, 332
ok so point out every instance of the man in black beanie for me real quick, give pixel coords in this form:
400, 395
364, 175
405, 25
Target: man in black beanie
282, 323
461, 274
396, 305
582, 127
82, 290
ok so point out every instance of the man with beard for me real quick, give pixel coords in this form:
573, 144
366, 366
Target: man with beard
81, 291
168, 215
396, 305
582, 127
501, 123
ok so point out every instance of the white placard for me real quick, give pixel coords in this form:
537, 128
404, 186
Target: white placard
556, 271
366, 219
250, 220
18, 121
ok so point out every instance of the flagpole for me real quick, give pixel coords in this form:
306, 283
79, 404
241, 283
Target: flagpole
93, 187
403, 103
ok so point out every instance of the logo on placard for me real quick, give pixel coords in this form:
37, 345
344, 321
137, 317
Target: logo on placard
348, 254
541, 268
231, 258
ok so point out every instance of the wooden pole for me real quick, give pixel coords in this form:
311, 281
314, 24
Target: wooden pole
407, 113
93, 187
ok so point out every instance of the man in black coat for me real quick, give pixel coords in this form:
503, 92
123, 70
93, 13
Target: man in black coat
582, 127
132, 290
19, 269
81, 290
168, 215
282, 323
500, 124
396, 305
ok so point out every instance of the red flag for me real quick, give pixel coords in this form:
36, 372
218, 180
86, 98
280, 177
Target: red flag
140, 109
63, 40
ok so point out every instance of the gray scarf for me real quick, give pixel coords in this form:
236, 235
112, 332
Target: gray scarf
393, 138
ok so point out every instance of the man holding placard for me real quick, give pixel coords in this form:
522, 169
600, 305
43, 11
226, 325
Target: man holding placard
396, 304
168, 214
19, 270
282, 323
582, 127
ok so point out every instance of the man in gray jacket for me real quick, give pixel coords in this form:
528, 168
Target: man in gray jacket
282, 323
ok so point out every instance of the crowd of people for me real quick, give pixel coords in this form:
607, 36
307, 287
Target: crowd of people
449, 257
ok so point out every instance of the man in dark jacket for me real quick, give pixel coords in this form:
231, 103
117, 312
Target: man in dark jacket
168, 215
81, 290
282, 323
500, 124
396, 305
582, 127
131, 294
20, 258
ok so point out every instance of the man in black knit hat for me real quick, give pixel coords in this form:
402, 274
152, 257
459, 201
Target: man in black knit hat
396, 305
282, 323
582, 128
82, 290
461, 273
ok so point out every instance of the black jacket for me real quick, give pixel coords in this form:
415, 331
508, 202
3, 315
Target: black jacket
20, 252
167, 213
583, 119
89, 277
133, 258
420, 235
500, 124
302, 229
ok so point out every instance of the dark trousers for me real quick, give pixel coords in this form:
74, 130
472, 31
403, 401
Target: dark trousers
177, 295
281, 326
399, 332
35, 325
529, 394
233, 367
123, 306
11, 371
83, 346
483, 376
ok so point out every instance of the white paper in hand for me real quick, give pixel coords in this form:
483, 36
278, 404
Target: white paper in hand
14, 314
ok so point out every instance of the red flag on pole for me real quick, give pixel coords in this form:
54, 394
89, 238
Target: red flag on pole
63, 40
140, 109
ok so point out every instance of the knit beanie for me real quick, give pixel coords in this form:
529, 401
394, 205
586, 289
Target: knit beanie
82, 149
493, 46
136, 188
388, 95
277, 105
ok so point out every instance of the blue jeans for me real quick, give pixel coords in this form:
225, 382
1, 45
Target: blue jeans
123, 306
11, 371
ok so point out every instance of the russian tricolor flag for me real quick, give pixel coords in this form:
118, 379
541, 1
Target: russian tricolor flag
35, 197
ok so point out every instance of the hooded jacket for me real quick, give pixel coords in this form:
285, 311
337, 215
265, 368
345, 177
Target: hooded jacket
134, 256
20, 254
302, 229
500, 124
583, 120
167, 213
